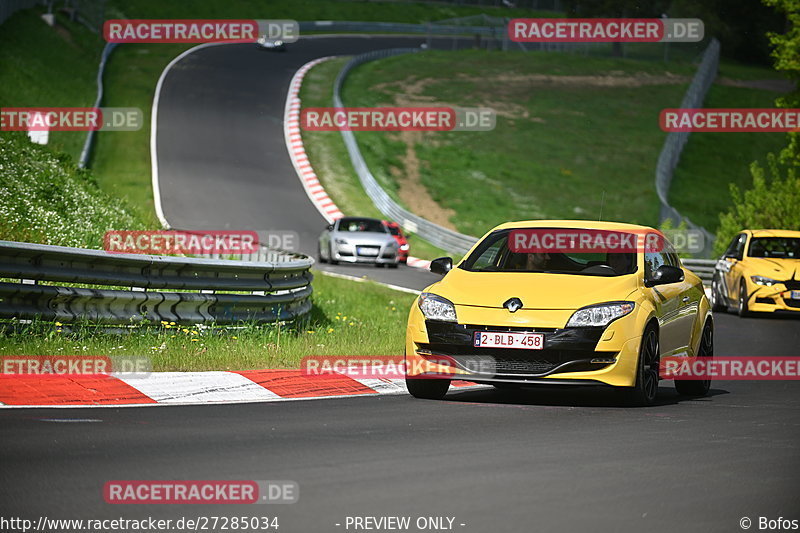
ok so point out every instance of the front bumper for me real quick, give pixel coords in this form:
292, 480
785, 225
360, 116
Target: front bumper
777, 298
579, 356
358, 253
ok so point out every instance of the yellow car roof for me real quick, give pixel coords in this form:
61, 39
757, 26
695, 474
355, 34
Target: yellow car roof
774, 233
578, 224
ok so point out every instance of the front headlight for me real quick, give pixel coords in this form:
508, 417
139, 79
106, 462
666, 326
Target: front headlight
341, 241
761, 280
404, 247
599, 315
437, 308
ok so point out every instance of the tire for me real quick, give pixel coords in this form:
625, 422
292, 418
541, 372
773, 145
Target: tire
687, 387
741, 308
645, 391
378, 265
330, 257
719, 302
319, 255
393, 265
428, 389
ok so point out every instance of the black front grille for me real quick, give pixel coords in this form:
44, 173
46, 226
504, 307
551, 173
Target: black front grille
499, 361
792, 302
763, 300
792, 284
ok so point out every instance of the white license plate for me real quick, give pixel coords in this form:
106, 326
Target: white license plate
795, 295
371, 252
522, 341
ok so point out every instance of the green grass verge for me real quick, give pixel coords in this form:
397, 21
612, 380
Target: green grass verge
49, 67
45, 198
556, 149
365, 319
559, 150
711, 161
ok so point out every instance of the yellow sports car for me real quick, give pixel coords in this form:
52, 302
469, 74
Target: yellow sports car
556, 313
760, 271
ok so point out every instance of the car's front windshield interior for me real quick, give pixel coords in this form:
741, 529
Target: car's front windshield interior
494, 255
775, 247
354, 225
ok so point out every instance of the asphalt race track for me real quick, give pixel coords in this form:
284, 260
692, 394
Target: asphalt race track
222, 157
540, 460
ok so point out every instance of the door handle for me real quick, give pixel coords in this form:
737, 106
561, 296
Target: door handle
685, 299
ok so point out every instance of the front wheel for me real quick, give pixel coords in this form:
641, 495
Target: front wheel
331, 256
319, 254
428, 389
646, 389
742, 308
697, 387
717, 299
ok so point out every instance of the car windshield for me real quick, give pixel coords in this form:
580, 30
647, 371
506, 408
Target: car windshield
394, 230
777, 247
494, 255
355, 225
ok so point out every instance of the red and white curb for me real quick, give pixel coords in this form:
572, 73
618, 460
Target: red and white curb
187, 388
294, 144
297, 153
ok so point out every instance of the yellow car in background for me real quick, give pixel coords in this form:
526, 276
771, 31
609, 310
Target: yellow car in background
510, 318
760, 271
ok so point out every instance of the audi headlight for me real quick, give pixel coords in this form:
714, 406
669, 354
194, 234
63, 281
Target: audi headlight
599, 315
437, 308
762, 280
404, 247
341, 241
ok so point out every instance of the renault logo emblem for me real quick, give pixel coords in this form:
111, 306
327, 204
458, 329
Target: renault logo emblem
513, 304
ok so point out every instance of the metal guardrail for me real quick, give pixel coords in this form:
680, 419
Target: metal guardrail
83, 160
278, 290
702, 267
444, 238
673, 145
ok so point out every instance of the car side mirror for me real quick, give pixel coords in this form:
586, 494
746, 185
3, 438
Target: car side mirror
665, 274
329, 227
442, 266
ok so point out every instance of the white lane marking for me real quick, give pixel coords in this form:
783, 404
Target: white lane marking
361, 280
199, 387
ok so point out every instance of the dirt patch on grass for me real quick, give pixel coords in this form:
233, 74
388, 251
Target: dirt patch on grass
410, 188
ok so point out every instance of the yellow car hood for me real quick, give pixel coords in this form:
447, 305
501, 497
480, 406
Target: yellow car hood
779, 269
536, 290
